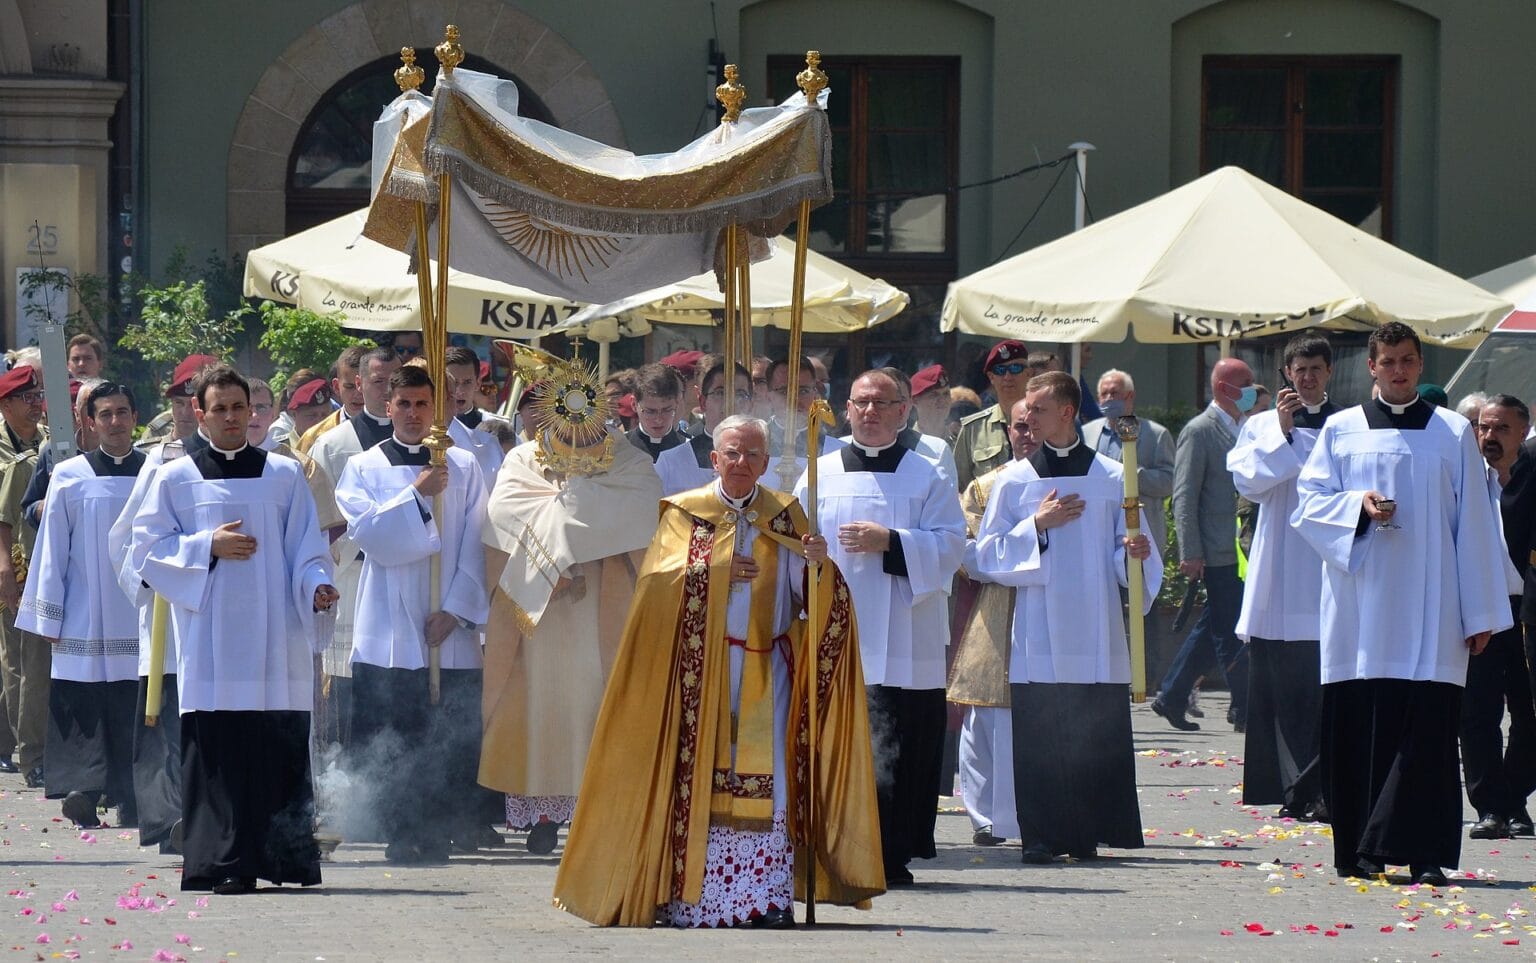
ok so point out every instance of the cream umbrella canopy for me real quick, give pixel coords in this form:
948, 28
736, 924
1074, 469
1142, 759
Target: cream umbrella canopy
837, 299
1224, 256
331, 267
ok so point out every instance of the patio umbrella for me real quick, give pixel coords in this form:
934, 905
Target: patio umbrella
1224, 256
837, 299
331, 267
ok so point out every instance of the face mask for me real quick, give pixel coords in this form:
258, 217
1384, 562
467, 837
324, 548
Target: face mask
1247, 399
1112, 409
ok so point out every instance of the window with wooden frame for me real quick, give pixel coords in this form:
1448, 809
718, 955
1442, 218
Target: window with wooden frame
895, 154
1322, 128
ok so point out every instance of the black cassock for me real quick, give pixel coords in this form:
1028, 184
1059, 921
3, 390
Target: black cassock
1074, 765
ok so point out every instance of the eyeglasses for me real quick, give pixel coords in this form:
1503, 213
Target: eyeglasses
407, 350
1011, 368
804, 391
865, 404
31, 397
718, 394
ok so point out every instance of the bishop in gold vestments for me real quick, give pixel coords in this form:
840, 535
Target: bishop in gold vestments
692, 811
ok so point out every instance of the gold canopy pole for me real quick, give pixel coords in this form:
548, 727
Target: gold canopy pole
729, 347
449, 55
1127, 429
811, 82
744, 298
731, 95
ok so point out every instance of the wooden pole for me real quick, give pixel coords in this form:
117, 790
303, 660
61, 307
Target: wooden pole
1128, 428
728, 349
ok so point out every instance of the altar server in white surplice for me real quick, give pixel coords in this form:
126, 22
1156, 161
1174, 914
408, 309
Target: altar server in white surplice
421, 757
229, 536
687, 466
157, 748
1394, 497
1279, 617
72, 599
1055, 530
331, 451
911, 437
900, 537
470, 428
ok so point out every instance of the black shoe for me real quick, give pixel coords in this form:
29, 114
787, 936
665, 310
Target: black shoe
898, 876
1319, 813
1175, 718
1085, 855
1290, 812
1489, 827
1429, 876
235, 885
543, 838
127, 818
984, 837
1238, 724
8, 765
80, 809
486, 837
774, 919
1520, 824
404, 854
35, 778
1195, 712
1037, 855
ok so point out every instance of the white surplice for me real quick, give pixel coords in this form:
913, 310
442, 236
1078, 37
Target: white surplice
331, 451
1067, 622
1285, 574
72, 595
246, 627
390, 523
1400, 604
679, 468
120, 550
480, 444
903, 619
936, 450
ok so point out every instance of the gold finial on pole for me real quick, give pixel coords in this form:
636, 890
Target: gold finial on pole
811, 80
450, 53
731, 95
408, 76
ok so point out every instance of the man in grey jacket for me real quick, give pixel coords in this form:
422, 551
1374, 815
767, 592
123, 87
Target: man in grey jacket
1154, 450
1205, 521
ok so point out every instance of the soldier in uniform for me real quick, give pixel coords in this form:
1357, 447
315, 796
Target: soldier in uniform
982, 444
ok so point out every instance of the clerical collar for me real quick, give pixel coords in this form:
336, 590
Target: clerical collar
735, 504
1317, 408
871, 451
1397, 409
1062, 452
229, 454
654, 439
381, 422
413, 449
116, 459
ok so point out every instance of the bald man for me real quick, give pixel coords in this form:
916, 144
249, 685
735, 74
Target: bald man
1205, 523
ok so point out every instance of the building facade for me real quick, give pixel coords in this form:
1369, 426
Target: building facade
246, 119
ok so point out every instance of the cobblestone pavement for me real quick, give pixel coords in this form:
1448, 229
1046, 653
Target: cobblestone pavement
1215, 881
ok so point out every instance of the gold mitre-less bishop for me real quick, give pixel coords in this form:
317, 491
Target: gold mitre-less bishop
979, 675
660, 769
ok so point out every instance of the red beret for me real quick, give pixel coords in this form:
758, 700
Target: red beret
485, 370
306, 394
685, 361
1010, 350
626, 406
19, 378
190, 367
930, 377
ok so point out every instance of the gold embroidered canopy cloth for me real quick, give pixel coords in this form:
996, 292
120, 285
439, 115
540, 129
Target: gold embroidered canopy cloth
556, 212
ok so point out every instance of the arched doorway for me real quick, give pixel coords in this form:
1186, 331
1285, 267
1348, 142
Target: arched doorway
328, 168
